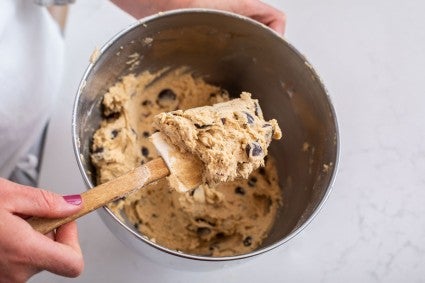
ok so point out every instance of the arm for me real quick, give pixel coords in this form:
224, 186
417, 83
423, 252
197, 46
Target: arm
25, 252
254, 9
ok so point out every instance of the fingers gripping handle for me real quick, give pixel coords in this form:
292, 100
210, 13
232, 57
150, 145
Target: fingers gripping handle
107, 192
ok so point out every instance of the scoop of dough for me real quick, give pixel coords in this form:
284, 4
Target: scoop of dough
230, 139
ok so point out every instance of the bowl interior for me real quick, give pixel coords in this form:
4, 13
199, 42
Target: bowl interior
238, 55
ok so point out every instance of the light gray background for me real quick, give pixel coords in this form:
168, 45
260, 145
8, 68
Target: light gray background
371, 56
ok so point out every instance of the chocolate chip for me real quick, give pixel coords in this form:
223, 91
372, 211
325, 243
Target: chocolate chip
247, 241
201, 126
114, 134
146, 102
136, 225
223, 120
249, 118
257, 109
239, 190
252, 182
253, 149
145, 151
165, 97
98, 150
203, 231
262, 171
219, 235
111, 116
256, 149
248, 149
146, 134
167, 94
154, 215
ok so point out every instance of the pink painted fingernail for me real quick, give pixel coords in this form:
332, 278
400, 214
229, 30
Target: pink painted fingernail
73, 199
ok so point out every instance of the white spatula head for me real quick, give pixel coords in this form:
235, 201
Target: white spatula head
186, 169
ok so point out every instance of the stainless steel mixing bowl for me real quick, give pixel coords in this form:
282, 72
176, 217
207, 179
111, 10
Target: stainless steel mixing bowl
237, 54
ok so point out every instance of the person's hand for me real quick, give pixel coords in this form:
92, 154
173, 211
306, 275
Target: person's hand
24, 251
254, 9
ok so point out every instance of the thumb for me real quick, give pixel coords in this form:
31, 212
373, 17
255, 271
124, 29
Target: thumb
37, 202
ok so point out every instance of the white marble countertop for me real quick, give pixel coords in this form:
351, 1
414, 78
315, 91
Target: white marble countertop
371, 56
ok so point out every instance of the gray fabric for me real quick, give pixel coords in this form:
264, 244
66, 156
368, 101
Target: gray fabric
27, 170
53, 2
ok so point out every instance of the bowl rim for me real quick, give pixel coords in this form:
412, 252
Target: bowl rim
145, 21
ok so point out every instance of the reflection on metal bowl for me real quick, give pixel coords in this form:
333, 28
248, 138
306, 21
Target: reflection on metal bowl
237, 54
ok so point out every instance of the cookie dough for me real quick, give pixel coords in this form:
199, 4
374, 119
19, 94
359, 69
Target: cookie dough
229, 138
228, 219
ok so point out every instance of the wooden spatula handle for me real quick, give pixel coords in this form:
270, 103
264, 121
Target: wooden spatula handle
107, 192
